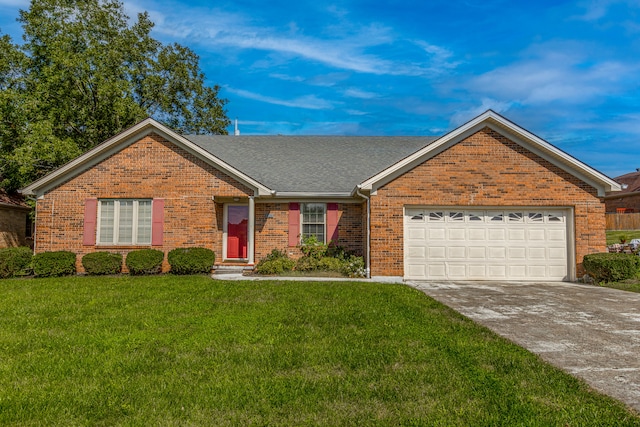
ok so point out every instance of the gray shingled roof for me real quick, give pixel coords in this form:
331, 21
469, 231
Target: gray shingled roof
319, 164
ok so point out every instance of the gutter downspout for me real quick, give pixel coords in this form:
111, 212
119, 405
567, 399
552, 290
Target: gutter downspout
368, 250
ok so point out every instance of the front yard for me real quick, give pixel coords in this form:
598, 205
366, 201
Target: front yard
168, 350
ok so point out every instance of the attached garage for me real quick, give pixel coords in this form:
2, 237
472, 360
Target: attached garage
487, 243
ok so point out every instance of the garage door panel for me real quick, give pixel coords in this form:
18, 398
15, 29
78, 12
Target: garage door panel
454, 243
517, 253
536, 271
478, 234
557, 235
457, 234
497, 234
536, 234
457, 252
417, 270
414, 233
477, 271
497, 271
517, 235
437, 270
477, 253
437, 234
417, 252
437, 252
517, 271
497, 253
457, 271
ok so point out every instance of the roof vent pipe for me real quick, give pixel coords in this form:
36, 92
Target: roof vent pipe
237, 131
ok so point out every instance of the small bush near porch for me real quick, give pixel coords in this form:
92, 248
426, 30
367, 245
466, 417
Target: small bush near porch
186, 350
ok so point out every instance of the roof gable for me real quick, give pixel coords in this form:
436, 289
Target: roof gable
123, 140
509, 129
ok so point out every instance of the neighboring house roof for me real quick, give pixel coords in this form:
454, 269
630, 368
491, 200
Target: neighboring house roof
630, 184
12, 200
310, 164
329, 166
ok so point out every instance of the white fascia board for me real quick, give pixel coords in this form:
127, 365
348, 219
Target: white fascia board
124, 139
498, 123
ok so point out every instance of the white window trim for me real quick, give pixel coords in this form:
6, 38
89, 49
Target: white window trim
302, 220
116, 222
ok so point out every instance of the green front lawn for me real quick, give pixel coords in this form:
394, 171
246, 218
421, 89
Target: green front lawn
613, 236
170, 350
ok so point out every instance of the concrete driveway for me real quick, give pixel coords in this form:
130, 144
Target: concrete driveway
588, 331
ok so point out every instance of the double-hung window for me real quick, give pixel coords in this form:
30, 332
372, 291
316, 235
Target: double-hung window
313, 220
124, 222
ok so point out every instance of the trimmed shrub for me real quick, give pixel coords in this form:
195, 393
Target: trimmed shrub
191, 260
144, 261
275, 266
54, 264
330, 264
307, 263
15, 262
312, 248
354, 267
97, 263
277, 262
611, 267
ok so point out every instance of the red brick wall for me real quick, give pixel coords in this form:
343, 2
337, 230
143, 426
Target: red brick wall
628, 202
272, 232
150, 168
486, 169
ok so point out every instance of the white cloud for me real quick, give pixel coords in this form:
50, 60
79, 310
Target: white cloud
556, 73
310, 102
348, 47
361, 94
595, 10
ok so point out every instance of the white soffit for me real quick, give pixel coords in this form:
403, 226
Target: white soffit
514, 132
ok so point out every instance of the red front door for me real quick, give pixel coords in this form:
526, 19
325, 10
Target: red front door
237, 226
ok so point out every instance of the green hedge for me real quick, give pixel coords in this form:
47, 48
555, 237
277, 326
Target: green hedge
191, 260
277, 262
15, 262
611, 267
144, 261
97, 263
275, 266
53, 264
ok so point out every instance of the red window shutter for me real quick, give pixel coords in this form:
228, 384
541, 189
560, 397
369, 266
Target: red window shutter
90, 219
332, 222
294, 224
157, 222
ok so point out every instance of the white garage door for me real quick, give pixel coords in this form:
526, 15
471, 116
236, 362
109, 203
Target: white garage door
489, 244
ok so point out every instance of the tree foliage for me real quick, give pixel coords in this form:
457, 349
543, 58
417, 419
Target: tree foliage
84, 73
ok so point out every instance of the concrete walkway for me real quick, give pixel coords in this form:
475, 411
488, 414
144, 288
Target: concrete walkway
588, 331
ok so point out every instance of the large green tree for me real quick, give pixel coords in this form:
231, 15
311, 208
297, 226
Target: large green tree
85, 73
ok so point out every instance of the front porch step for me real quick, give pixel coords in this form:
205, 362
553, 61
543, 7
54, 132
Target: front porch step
232, 269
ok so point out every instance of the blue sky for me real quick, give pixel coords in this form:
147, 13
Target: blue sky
567, 71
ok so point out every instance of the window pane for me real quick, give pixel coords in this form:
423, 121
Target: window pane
144, 222
125, 226
313, 220
106, 221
